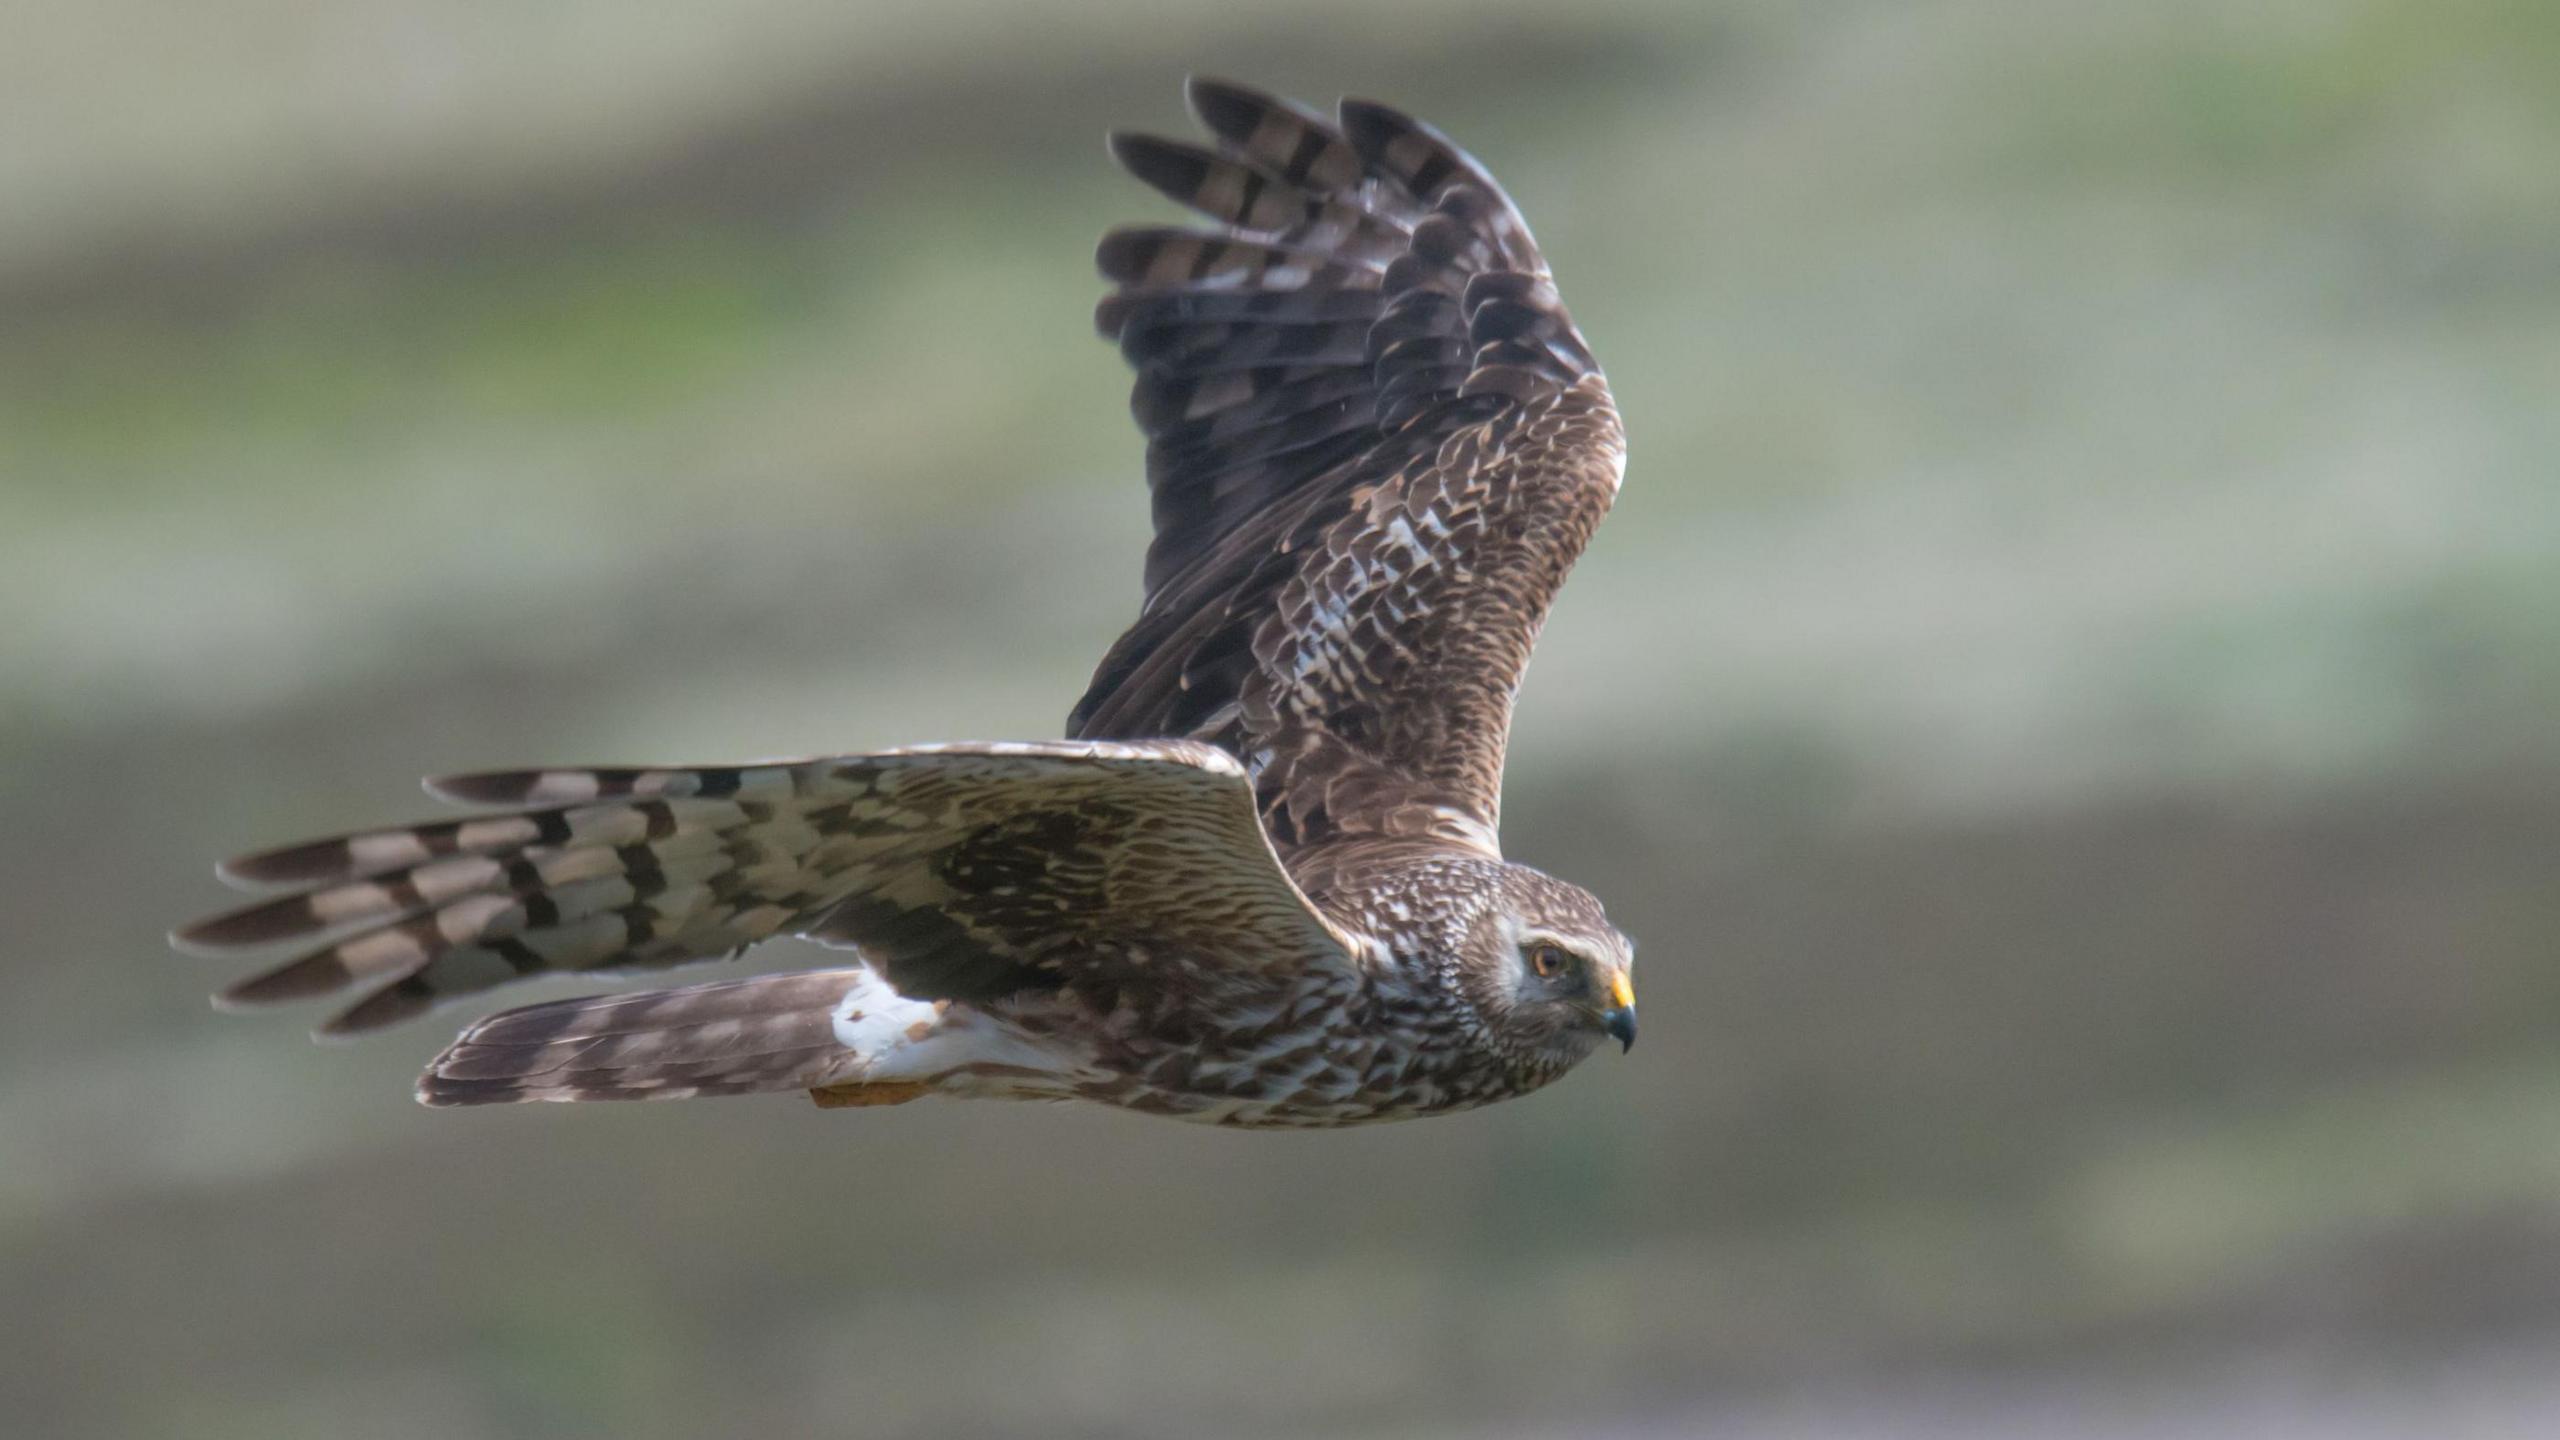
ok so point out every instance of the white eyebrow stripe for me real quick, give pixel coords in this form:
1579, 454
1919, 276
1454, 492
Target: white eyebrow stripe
1528, 937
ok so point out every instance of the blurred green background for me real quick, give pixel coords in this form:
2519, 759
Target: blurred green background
2070, 704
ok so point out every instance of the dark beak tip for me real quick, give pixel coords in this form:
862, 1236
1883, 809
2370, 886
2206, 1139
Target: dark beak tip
1621, 1025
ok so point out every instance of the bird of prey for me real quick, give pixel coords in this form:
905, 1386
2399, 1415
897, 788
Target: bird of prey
1259, 884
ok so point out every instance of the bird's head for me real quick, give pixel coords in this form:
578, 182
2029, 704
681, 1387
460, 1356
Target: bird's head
1549, 973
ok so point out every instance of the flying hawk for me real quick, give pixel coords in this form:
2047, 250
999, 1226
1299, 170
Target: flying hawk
1260, 882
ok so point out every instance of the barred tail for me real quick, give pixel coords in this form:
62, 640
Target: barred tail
730, 1037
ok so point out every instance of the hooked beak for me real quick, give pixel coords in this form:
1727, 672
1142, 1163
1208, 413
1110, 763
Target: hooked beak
1619, 1020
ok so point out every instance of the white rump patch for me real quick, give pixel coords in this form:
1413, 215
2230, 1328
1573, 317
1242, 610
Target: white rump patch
876, 1023
893, 1037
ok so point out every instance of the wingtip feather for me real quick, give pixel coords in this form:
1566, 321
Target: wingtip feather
247, 927
230, 873
302, 979
282, 865
380, 1010
190, 939
1124, 143
1218, 102
485, 787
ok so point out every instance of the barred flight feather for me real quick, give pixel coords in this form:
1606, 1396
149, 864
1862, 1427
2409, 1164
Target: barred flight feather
657, 867
1296, 370
1261, 883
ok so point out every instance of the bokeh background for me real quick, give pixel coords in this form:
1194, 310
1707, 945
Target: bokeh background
2070, 704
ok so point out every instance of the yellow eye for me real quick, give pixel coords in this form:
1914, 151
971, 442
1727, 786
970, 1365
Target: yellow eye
1549, 961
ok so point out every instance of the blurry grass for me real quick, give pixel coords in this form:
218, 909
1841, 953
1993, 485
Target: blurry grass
2194, 1204
2239, 92
617, 330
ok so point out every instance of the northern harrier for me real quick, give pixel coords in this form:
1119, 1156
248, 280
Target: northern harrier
1259, 884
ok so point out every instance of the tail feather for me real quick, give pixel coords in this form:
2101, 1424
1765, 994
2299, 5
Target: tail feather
729, 1037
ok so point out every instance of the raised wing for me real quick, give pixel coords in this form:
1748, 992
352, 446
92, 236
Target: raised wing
1375, 443
965, 872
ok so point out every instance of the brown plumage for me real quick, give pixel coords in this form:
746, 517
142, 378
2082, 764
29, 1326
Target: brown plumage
1260, 883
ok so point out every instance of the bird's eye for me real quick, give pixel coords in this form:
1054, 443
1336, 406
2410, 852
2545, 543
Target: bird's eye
1549, 961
